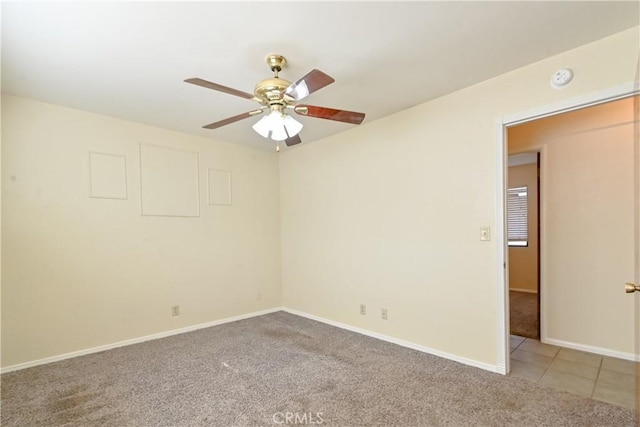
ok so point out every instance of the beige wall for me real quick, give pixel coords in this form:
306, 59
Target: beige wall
389, 213
523, 261
588, 196
80, 272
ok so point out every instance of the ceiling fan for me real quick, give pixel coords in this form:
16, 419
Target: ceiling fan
278, 96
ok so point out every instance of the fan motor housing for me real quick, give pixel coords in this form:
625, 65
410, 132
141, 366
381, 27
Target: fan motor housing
271, 90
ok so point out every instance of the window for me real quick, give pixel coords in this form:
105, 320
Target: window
517, 228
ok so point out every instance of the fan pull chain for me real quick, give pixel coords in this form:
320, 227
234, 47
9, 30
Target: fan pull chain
277, 148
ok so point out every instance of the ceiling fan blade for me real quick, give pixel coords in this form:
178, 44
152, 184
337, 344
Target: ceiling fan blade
311, 82
210, 85
233, 119
293, 140
330, 114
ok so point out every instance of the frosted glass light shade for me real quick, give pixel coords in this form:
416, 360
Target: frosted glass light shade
292, 125
263, 126
280, 126
278, 133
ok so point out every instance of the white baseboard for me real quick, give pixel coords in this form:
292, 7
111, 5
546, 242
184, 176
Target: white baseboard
591, 349
486, 366
136, 340
529, 291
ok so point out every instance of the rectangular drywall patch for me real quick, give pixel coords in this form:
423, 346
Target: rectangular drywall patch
219, 187
107, 176
169, 182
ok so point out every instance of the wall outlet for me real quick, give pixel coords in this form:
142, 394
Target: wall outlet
259, 296
383, 314
363, 309
175, 310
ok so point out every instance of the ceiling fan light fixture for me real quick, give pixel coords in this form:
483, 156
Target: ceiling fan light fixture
277, 125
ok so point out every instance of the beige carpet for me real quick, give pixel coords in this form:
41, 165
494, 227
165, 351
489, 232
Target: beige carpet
523, 311
253, 372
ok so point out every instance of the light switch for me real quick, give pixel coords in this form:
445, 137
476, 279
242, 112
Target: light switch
485, 234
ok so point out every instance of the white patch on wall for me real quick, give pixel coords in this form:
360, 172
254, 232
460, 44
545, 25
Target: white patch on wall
169, 184
219, 187
107, 176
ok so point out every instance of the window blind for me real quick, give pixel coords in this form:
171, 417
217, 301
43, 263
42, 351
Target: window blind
517, 221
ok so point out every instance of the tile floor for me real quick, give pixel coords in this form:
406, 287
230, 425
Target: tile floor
586, 374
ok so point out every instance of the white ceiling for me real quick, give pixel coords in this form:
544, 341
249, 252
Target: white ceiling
129, 60
522, 159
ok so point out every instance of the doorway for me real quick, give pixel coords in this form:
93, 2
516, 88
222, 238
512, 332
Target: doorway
523, 236
589, 239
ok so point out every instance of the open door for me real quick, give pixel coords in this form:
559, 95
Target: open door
589, 236
636, 288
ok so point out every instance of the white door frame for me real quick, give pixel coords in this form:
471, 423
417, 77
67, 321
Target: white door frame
502, 265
